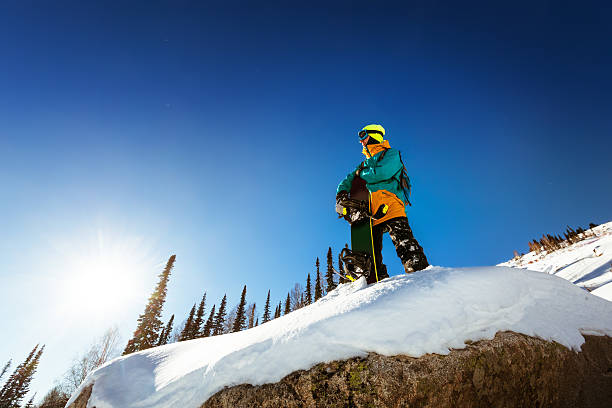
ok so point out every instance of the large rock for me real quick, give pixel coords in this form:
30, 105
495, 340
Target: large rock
83, 398
512, 370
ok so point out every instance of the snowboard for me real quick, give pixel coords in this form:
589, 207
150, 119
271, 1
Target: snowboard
359, 260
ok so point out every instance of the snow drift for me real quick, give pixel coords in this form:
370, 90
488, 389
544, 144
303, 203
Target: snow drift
430, 311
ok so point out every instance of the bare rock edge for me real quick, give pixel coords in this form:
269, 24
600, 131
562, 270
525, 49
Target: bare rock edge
511, 370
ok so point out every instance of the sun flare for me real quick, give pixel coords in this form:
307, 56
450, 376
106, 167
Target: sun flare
105, 273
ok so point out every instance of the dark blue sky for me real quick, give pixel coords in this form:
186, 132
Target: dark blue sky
220, 133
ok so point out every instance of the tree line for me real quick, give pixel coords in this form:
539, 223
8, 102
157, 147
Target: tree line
551, 243
17, 385
152, 332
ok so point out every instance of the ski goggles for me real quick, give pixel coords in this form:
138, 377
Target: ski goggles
365, 133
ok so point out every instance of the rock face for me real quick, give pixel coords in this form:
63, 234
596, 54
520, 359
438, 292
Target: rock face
81, 401
512, 370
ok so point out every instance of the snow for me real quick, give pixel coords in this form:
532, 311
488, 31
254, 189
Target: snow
587, 263
604, 291
430, 311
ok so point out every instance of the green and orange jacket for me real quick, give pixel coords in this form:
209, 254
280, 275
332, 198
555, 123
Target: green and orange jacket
381, 177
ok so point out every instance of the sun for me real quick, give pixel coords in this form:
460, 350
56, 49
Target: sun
104, 273
102, 278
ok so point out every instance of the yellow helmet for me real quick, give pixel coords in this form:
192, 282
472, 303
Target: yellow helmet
376, 132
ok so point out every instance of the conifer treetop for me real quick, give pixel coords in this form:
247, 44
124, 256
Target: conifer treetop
18, 384
288, 304
266, 315
239, 322
220, 317
318, 288
199, 319
188, 329
149, 323
209, 325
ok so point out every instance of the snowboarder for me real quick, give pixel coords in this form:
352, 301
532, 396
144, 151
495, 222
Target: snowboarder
382, 173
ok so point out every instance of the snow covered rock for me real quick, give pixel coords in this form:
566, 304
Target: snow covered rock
511, 370
431, 311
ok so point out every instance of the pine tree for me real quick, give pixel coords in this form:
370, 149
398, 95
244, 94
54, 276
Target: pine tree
288, 304
266, 315
55, 398
169, 328
196, 329
7, 392
31, 370
30, 403
149, 323
165, 334
18, 384
161, 338
208, 326
239, 322
331, 284
188, 329
318, 290
257, 322
5, 368
308, 299
220, 317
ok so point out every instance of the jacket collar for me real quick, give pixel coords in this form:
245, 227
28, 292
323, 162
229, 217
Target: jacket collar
372, 150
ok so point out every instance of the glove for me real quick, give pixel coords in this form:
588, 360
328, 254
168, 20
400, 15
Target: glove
341, 197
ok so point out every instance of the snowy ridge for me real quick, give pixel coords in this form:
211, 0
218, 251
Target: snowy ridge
587, 263
430, 311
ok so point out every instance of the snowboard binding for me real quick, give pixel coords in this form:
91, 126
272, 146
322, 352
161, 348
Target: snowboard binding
356, 264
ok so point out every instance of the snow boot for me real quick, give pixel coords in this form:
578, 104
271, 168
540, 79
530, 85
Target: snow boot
381, 271
415, 263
